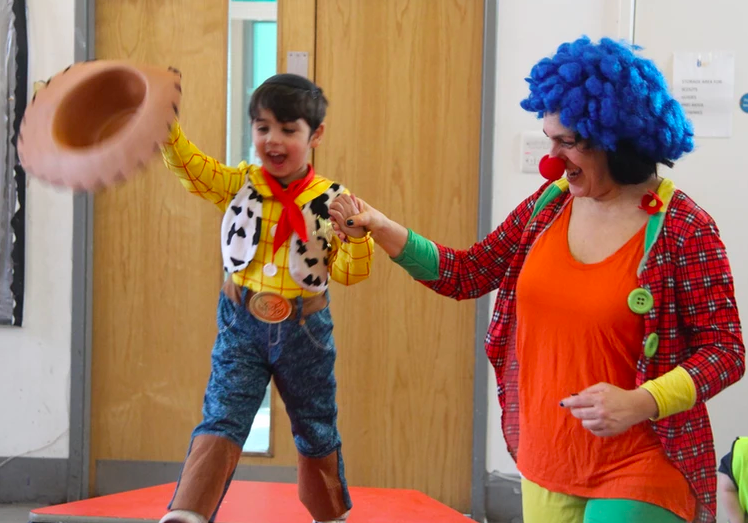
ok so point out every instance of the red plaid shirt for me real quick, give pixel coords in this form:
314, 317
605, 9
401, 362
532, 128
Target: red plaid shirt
695, 316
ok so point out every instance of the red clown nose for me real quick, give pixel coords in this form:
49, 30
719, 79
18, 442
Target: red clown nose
551, 169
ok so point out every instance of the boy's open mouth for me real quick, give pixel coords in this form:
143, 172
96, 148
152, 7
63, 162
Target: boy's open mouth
276, 159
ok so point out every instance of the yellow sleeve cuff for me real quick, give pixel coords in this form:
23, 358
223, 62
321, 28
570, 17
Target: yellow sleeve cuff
360, 241
174, 131
674, 392
352, 260
170, 146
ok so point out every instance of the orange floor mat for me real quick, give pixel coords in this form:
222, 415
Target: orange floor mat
253, 502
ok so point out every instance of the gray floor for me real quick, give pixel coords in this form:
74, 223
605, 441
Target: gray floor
15, 513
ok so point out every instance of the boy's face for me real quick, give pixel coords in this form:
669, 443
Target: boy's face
283, 147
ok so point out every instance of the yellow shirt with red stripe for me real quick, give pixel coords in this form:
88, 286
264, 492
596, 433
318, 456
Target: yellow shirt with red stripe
206, 177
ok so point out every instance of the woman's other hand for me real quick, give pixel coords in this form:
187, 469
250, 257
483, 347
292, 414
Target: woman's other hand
607, 410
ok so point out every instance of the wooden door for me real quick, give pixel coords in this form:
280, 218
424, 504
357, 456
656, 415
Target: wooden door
404, 81
157, 268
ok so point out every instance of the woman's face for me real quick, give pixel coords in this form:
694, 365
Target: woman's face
586, 168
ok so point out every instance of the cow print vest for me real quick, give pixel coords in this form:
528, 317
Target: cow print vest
308, 262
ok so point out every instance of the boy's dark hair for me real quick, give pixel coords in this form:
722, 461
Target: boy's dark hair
289, 97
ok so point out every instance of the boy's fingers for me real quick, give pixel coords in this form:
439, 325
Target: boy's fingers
337, 216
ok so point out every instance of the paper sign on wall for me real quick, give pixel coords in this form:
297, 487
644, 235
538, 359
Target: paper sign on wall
298, 63
704, 84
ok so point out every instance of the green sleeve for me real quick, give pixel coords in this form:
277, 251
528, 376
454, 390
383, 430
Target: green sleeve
420, 258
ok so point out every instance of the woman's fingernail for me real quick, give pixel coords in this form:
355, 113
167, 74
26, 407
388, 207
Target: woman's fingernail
574, 394
349, 223
562, 403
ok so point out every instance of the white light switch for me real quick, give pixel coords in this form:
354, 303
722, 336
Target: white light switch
534, 145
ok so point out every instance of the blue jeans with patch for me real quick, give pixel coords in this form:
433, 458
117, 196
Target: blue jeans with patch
299, 353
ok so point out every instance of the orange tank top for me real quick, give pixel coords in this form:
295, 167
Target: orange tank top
574, 329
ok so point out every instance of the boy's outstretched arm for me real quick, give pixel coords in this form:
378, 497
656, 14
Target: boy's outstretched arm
200, 174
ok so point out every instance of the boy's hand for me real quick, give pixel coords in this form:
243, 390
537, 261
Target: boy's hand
341, 210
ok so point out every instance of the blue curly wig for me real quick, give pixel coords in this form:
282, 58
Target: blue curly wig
607, 94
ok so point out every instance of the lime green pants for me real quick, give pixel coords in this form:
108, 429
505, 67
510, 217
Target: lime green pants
543, 506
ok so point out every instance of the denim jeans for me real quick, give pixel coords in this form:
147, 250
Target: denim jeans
299, 354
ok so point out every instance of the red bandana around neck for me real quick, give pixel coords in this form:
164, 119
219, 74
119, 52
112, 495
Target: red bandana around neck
291, 219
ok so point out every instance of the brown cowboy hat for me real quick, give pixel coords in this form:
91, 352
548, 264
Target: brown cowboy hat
96, 123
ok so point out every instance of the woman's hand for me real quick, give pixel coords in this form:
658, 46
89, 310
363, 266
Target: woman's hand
389, 235
342, 208
607, 410
353, 214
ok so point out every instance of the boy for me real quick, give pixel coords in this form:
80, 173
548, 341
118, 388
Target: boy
273, 318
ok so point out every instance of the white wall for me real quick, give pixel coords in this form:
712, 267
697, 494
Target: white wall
714, 174
35, 359
527, 31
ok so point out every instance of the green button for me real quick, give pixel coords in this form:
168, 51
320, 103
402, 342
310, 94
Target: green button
640, 301
650, 346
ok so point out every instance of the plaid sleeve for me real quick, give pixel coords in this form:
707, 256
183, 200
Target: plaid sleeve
200, 174
471, 273
705, 301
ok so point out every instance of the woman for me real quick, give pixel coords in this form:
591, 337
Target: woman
615, 318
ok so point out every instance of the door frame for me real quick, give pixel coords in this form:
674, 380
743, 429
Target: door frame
82, 278
483, 308
81, 303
